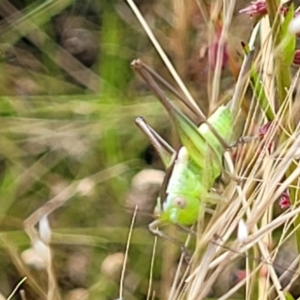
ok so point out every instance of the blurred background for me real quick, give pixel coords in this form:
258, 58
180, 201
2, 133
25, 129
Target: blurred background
68, 100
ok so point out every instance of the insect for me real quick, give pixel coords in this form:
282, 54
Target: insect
191, 173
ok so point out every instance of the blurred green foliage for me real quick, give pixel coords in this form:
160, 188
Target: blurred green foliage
61, 123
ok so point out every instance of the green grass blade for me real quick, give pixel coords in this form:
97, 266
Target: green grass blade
258, 90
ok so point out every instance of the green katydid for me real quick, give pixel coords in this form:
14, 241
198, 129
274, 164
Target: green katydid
188, 184
192, 172
198, 163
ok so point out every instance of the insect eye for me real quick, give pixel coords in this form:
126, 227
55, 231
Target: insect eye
180, 202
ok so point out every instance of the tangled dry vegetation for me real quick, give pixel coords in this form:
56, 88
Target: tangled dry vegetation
257, 259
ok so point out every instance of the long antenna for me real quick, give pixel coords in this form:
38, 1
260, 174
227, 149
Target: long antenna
163, 56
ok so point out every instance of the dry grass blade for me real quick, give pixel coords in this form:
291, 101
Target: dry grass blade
16, 288
65, 195
151, 269
215, 87
163, 56
126, 253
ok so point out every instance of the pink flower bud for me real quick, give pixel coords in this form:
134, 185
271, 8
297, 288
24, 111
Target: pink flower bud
256, 8
262, 132
214, 48
285, 201
296, 59
264, 129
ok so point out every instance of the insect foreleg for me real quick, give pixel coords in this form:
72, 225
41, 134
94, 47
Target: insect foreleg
153, 227
248, 139
186, 229
244, 140
213, 197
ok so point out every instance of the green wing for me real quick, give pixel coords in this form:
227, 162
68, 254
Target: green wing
221, 121
197, 166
